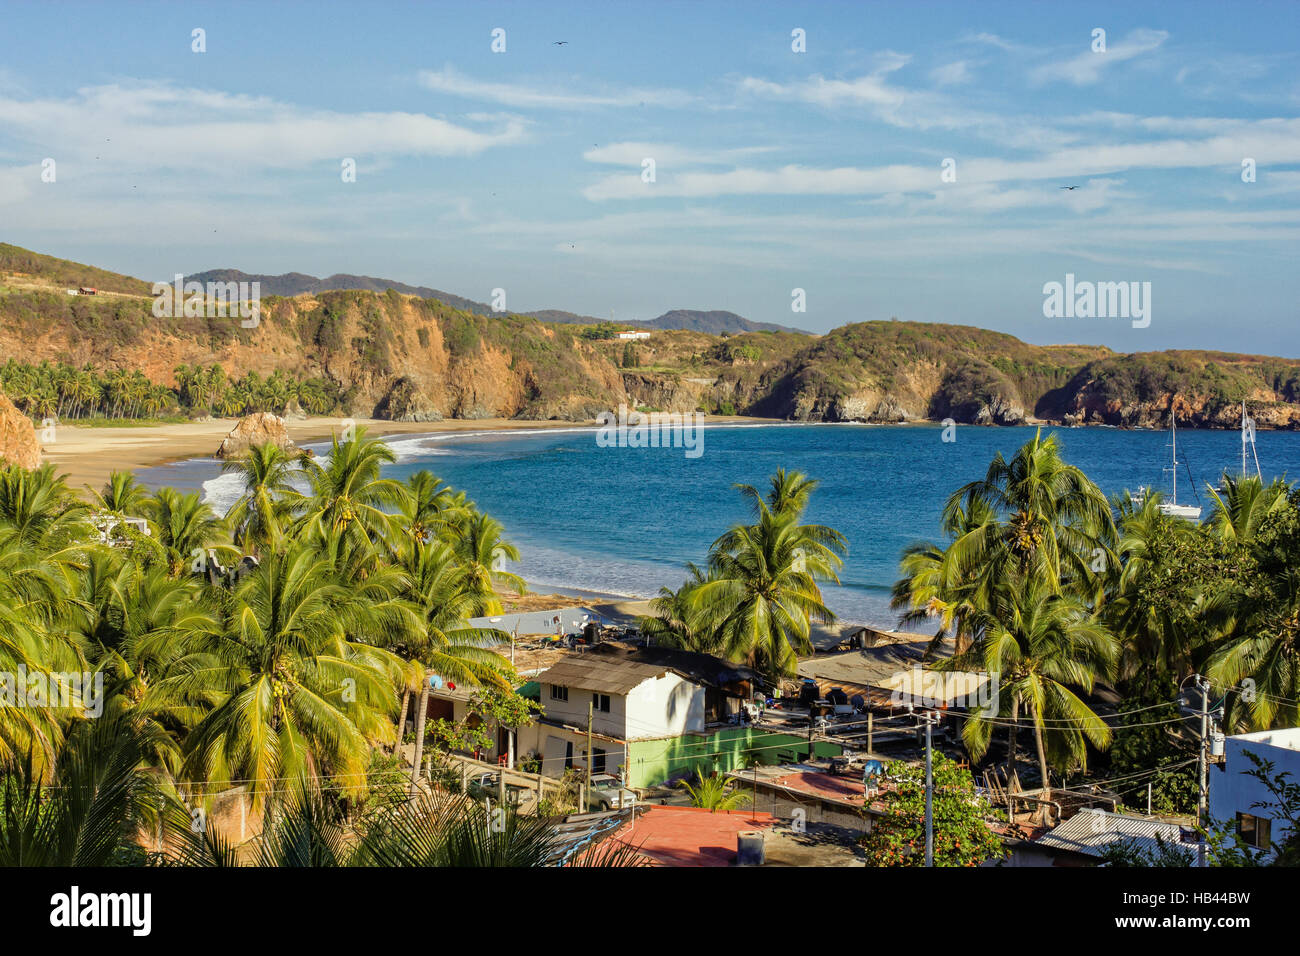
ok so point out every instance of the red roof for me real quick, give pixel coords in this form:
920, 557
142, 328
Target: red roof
690, 836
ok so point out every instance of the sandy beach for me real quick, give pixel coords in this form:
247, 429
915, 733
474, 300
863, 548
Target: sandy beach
86, 455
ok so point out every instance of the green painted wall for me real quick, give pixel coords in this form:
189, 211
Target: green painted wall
653, 761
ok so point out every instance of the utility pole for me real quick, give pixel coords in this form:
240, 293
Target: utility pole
928, 717
1202, 797
590, 710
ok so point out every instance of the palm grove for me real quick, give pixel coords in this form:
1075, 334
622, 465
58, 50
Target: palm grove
292, 677
289, 676
1057, 592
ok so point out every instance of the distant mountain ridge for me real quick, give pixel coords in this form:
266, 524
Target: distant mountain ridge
416, 358
713, 323
297, 283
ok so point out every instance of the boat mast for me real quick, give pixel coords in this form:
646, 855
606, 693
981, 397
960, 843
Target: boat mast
1173, 436
1243, 438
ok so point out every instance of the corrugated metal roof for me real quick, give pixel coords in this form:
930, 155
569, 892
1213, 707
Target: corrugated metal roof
591, 672
1091, 831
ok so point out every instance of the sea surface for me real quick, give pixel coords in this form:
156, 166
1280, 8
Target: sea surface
624, 520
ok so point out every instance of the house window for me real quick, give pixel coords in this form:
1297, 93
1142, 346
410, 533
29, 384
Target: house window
559, 693
597, 760
1256, 831
600, 702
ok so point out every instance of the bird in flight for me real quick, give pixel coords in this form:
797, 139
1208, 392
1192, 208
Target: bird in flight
559, 42
1069, 187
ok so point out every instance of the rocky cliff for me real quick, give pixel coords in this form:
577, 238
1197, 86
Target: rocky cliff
18, 444
413, 359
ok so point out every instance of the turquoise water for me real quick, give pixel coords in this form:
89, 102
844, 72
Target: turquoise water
624, 520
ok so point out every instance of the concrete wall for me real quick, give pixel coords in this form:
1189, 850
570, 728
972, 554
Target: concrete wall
658, 707
665, 706
574, 711
1232, 791
727, 748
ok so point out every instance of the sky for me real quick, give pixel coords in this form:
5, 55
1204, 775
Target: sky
908, 162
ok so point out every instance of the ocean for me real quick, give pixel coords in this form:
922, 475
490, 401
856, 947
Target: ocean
624, 520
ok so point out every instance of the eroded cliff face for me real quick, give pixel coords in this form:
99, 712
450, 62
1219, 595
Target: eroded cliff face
401, 357
18, 444
1194, 411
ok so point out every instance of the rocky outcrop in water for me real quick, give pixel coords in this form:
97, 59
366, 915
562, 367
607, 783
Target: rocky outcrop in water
259, 428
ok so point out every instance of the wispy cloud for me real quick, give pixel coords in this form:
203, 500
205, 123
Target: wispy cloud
1086, 68
145, 125
522, 96
952, 74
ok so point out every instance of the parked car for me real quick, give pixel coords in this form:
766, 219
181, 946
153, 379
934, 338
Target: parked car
607, 794
486, 785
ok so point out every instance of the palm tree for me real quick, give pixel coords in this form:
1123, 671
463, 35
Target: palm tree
429, 510
937, 583
713, 794
184, 528
673, 623
40, 508
348, 496
1243, 504
442, 591
764, 593
1051, 518
269, 498
302, 691
99, 799
1039, 645
35, 607
482, 551
122, 496
135, 622
429, 830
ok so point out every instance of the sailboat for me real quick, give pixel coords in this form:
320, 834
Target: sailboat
1172, 507
1247, 438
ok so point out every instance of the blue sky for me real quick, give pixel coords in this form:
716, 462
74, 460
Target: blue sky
774, 170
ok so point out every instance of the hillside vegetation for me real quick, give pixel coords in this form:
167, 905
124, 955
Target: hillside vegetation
412, 358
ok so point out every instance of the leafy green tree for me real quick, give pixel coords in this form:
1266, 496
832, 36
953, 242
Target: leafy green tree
962, 837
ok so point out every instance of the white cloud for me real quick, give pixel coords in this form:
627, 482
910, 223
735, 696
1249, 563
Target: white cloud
631, 154
1276, 139
1086, 68
156, 126
519, 96
952, 74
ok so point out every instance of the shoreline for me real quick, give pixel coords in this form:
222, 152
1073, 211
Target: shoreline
87, 455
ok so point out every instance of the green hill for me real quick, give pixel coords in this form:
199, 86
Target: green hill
366, 352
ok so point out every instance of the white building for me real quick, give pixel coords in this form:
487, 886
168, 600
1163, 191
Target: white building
632, 334
1235, 795
636, 696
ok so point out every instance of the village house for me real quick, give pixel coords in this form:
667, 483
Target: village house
1235, 796
656, 713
